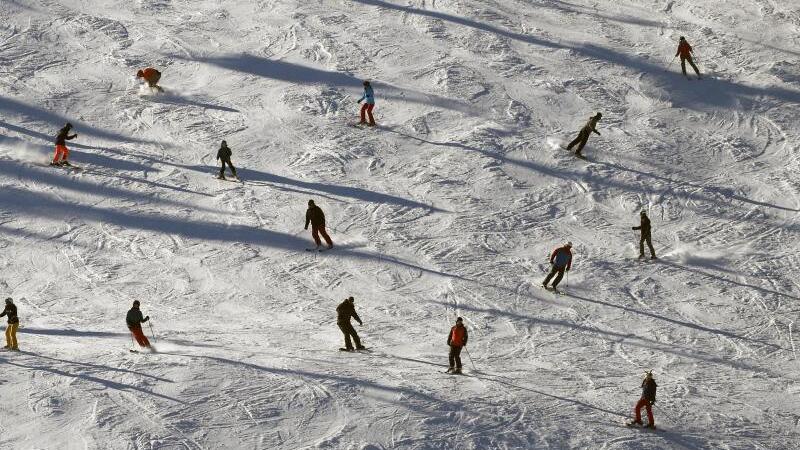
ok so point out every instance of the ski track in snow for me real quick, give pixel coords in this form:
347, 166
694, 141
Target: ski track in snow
450, 207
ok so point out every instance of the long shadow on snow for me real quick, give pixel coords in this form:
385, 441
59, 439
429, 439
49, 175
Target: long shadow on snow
332, 377
628, 338
333, 189
104, 334
299, 74
45, 137
11, 107
172, 99
713, 92
55, 177
47, 367
570, 175
104, 368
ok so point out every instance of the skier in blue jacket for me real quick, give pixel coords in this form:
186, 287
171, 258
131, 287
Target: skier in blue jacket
561, 260
369, 104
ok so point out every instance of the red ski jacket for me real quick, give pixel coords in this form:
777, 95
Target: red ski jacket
458, 336
684, 49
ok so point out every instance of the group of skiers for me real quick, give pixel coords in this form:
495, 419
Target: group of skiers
560, 258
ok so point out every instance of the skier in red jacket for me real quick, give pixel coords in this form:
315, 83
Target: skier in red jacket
685, 52
151, 76
457, 339
560, 261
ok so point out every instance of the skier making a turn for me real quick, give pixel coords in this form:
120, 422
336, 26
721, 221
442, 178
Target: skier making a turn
224, 154
645, 237
62, 152
583, 135
151, 76
13, 324
685, 51
369, 104
560, 261
135, 320
457, 339
646, 401
344, 312
316, 218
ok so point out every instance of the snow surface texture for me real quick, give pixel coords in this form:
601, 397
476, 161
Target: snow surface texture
450, 208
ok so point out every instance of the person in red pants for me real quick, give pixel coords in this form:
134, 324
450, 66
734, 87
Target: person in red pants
316, 218
369, 104
646, 401
151, 76
135, 320
62, 152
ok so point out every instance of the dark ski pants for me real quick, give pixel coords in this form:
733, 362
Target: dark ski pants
366, 109
348, 331
555, 270
644, 403
691, 63
141, 339
580, 141
646, 238
222, 169
317, 231
455, 356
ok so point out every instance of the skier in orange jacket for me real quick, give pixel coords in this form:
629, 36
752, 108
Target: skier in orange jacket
685, 52
151, 76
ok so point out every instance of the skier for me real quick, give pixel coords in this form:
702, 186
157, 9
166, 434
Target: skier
646, 237
151, 76
62, 152
583, 135
648, 399
224, 154
135, 320
560, 261
457, 339
316, 217
344, 312
685, 51
13, 324
369, 104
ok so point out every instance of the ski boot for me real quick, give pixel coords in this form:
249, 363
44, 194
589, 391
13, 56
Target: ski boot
651, 426
450, 370
65, 163
457, 371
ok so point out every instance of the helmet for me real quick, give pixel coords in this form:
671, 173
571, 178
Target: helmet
459, 319
140, 74
569, 244
599, 115
366, 83
351, 299
68, 125
683, 38
311, 203
643, 213
224, 144
8, 300
136, 303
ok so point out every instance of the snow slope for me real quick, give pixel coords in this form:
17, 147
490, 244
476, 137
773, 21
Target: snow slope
450, 208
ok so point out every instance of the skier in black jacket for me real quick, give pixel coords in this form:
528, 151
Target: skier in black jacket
344, 312
134, 320
13, 324
583, 135
645, 237
316, 218
646, 401
62, 152
224, 154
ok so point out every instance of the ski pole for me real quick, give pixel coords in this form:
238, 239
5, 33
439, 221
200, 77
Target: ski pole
670, 63
152, 333
470, 359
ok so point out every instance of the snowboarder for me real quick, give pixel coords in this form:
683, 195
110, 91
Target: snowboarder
560, 261
224, 154
685, 51
645, 237
135, 320
344, 312
62, 152
583, 135
369, 104
646, 401
457, 339
316, 217
13, 324
151, 76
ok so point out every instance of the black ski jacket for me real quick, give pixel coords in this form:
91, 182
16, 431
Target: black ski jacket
649, 390
11, 312
590, 127
315, 216
135, 319
644, 226
224, 153
63, 136
345, 311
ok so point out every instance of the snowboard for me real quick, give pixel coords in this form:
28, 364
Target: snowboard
71, 166
343, 349
641, 427
231, 179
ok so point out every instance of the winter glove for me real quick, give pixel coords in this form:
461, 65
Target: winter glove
305, 228
633, 228
146, 319
359, 101
361, 324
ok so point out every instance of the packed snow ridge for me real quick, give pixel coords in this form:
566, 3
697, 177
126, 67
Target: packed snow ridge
451, 206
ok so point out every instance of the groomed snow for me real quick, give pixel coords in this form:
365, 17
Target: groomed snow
450, 208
